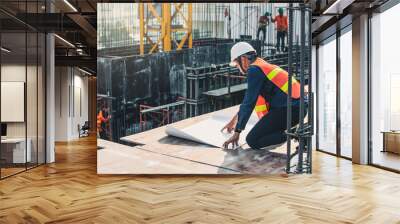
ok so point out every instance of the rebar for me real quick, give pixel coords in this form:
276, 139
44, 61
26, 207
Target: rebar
289, 95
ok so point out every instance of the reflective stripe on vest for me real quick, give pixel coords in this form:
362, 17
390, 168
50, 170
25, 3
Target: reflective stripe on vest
279, 77
261, 107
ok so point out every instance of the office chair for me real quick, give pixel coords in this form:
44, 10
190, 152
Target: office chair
84, 130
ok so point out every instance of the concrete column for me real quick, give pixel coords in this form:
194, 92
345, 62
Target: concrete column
360, 90
92, 101
50, 91
50, 99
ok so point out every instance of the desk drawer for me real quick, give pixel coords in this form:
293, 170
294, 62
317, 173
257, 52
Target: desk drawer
392, 142
15, 153
6, 154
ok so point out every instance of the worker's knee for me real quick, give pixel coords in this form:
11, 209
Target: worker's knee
251, 140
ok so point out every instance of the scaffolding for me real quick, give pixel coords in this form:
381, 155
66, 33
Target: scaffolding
163, 115
304, 131
202, 80
216, 87
162, 24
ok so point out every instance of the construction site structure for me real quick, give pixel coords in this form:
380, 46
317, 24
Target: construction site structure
158, 29
162, 115
216, 87
205, 87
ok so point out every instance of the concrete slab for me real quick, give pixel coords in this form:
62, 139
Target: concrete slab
244, 160
115, 158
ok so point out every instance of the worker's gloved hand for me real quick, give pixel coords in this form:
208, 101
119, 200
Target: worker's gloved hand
234, 140
231, 125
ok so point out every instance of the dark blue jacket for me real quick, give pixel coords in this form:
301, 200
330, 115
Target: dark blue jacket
259, 84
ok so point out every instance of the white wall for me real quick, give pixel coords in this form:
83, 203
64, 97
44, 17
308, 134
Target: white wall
80, 103
61, 103
71, 102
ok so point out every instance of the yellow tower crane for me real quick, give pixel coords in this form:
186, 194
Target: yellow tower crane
157, 30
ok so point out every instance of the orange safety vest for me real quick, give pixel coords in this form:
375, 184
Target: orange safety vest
279, 78
100, 120
281, 23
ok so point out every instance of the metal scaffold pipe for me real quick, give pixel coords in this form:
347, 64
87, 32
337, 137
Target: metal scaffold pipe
304, 131
289, 95
310, 95
302, 67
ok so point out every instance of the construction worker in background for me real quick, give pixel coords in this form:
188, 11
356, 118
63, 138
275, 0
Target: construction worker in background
281, 22
102, 118
262, 26
267, 89
227, 14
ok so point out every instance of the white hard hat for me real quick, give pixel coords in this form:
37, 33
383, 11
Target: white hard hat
239, 49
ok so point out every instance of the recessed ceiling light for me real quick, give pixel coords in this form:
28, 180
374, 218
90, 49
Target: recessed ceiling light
5, 50
84, 71
70, 5
335, 7
64, 40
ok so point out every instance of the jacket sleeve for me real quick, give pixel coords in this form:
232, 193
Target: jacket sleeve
255, 82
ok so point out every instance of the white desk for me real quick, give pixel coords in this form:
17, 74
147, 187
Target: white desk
16, 147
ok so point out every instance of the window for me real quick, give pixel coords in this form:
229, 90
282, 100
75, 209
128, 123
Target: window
327, 96
346, 93
385, 89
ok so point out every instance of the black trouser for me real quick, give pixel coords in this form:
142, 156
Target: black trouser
103, 133
280, 37
264, 30
270, 130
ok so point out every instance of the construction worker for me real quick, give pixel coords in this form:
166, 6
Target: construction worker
281, 22
227, 14
102, 118
262, 26
267, 87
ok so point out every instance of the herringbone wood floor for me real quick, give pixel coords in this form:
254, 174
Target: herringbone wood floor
70, 191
